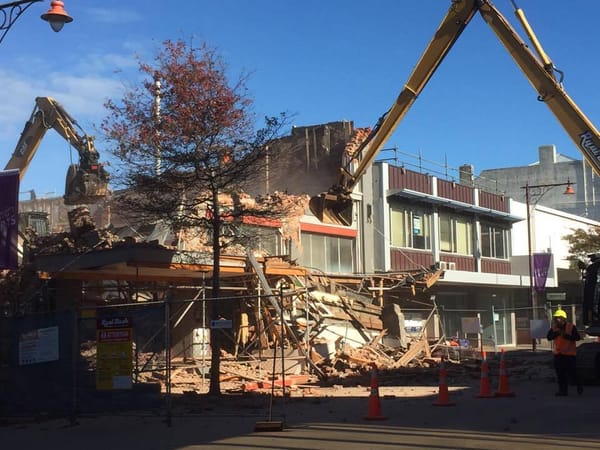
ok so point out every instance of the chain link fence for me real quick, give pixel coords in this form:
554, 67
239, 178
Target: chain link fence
128, 356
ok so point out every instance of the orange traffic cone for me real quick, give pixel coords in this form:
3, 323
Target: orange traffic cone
485, 390
443, 397
503, 388
374, 403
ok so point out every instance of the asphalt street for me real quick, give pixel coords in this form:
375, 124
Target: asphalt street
533, 419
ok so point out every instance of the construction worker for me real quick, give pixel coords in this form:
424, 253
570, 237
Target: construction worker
565, 335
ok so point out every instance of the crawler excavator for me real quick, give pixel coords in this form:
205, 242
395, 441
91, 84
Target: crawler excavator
335, 205
87, 181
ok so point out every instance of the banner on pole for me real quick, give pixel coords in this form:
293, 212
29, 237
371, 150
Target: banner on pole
9, 218
541, 263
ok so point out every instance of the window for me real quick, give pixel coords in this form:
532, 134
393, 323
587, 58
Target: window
495, 241
398, 227
273, 243
456, 234
267, 239
331, 254
410, 227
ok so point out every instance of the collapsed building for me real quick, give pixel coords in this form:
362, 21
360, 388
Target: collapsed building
327, 325
147, 294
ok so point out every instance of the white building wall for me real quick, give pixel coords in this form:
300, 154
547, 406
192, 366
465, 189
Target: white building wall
548, 227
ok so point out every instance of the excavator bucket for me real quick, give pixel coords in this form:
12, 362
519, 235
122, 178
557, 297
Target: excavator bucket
332, 209
83, 187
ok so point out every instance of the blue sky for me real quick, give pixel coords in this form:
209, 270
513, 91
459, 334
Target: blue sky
319, 60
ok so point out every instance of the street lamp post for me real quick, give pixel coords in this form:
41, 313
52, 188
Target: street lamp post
56, 16
568, 191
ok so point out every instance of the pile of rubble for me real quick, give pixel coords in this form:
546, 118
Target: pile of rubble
346, 371
83, 236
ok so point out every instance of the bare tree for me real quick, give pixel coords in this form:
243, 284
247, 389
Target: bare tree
185, 139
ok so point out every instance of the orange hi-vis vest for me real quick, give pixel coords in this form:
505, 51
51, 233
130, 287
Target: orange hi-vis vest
563, 346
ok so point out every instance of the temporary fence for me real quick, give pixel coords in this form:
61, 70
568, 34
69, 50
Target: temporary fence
123, 356
491, 327
36, 366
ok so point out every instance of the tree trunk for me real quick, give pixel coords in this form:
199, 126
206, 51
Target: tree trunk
215, 333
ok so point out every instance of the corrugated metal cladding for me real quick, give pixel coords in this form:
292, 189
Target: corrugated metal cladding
455, 191
495, 266
401, 178
466, 263
407, 259
493, 201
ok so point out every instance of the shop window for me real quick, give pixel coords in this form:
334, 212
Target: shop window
330, 254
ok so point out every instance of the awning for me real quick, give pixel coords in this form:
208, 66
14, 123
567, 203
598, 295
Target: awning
456, 205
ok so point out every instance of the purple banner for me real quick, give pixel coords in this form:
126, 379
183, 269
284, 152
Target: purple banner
9, 218
541, 263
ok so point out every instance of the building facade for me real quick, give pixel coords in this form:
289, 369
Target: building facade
551, 168
405, 220
411, 219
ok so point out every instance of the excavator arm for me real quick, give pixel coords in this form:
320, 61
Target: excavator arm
335, 205
87, 181
541, 74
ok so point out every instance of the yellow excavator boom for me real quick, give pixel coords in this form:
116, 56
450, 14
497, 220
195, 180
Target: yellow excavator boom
87, 181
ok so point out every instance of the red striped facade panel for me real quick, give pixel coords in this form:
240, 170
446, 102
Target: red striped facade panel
410, 259
401, 178
455, 191
489, 265
493, 201
466, 263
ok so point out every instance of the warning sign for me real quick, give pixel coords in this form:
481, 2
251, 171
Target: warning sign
37, 346
114, 357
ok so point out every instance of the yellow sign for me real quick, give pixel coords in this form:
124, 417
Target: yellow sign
114, 354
